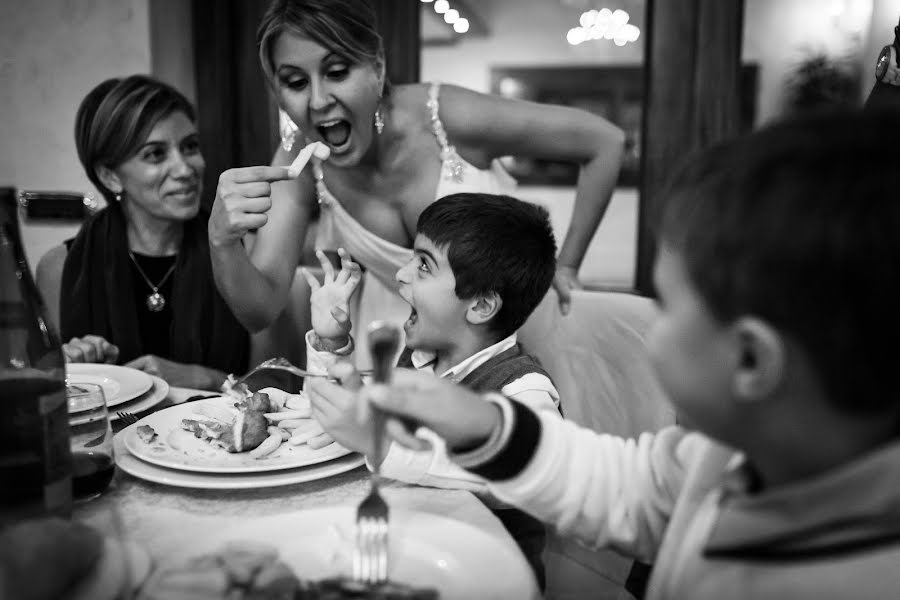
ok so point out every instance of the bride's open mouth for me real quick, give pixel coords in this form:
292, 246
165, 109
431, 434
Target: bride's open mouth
335, 133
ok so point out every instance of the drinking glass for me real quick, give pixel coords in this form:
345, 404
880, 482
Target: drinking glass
90, 438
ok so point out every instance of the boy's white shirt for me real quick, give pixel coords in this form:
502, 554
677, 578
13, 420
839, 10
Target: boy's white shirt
433, 467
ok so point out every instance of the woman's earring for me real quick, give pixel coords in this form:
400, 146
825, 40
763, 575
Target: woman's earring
289, 130
379, 120
118, 196
288, 135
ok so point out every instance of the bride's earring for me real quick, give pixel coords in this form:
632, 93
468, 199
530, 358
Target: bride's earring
379, 120
288, 135
289, 131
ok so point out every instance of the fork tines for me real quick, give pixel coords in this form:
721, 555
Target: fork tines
127, 417
370, 556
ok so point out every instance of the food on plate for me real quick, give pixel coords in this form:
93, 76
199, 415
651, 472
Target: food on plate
257, 423
342, 588
146, 433
253, 570
237, 571
241, 431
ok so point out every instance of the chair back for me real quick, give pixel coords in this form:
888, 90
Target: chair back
597, 357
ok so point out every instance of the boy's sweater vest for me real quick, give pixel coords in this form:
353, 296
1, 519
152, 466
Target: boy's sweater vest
492, 376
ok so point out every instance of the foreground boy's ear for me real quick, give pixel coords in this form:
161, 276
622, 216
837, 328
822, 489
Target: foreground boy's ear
761, 359
484, 308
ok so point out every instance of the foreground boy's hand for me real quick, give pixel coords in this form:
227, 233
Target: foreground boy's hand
44, 559
330, 300
335, 407
463, 418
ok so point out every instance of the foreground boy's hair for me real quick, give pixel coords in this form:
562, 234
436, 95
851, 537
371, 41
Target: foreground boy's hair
496, 244
803, 230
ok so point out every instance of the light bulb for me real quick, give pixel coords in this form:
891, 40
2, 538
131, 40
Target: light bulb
441, 6
632, 33
620, 17
575, 36
461, 25
427, 1
451, 16
587, 18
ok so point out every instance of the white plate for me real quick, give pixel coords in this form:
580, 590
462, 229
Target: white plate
146, 401
426, 550
193, 454
120, 384
209, 481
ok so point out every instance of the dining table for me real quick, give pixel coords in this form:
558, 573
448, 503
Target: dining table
159, 518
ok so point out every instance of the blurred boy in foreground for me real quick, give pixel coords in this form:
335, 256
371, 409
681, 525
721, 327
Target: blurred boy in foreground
779, 282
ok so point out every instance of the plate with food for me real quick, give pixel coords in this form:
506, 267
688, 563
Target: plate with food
307, 555
128, 463
268, 430
120, 384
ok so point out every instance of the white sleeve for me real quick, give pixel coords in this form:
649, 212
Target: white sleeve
435, 469
602, 489
432, 468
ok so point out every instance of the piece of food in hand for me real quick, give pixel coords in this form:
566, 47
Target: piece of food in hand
146, 433
317, 149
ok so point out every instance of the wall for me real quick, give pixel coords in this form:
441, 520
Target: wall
53, 52
777, 34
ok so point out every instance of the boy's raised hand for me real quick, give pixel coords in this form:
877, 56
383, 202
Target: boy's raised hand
330, 300
463, 418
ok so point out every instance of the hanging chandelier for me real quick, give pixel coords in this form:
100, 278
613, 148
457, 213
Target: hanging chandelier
604, 24
452, 17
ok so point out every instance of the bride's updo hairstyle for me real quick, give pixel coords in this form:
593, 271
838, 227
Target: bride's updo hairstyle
346, 27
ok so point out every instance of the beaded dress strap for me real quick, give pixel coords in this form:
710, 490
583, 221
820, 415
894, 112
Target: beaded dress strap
453, 168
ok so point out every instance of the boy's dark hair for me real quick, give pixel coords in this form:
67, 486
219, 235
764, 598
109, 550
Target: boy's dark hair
799, 224
495, 244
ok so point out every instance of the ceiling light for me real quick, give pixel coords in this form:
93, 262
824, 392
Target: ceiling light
441, 6
451, 16
461, 25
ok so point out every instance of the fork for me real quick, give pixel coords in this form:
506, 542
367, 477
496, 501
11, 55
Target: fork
127, 417
282, 364
370, 556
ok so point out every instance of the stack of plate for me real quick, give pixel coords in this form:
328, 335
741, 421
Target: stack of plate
125, 389
174, 457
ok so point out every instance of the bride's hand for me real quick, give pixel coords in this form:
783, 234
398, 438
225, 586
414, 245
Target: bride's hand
243, 197
565, 280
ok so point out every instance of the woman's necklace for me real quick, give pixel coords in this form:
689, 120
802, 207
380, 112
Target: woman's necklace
155, 301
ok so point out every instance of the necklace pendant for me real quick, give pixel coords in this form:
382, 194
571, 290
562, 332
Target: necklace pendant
155, 302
